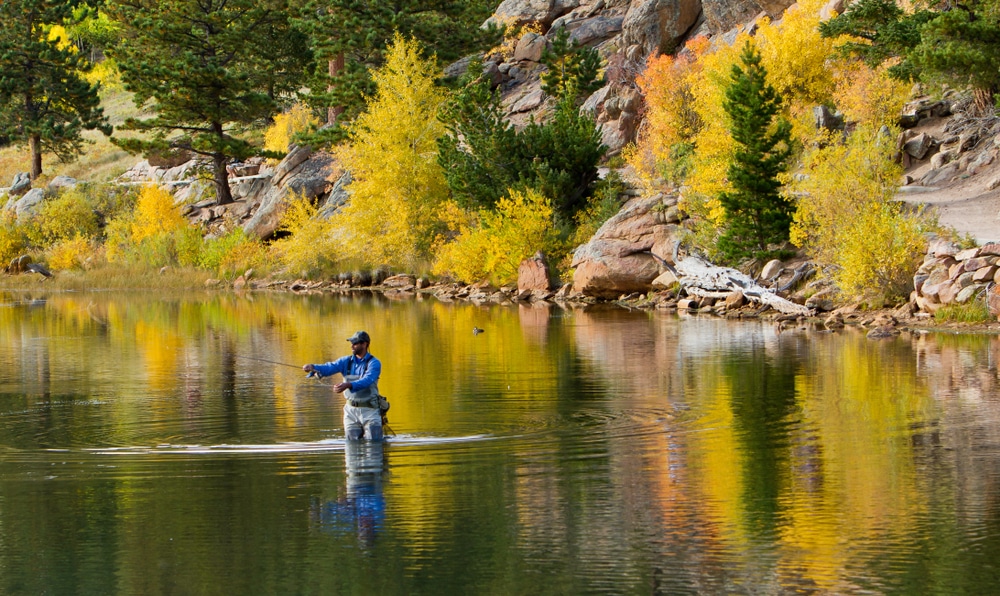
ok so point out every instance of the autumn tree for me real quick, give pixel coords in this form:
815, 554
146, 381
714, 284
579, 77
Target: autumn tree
397, 183
44, 100
209, 69
757, 216
667, 137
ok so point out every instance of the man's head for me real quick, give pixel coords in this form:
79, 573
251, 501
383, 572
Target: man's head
359, 343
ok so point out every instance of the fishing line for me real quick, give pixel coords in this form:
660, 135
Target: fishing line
311, 375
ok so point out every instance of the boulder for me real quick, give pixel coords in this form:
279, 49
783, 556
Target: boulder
60, 182
28, 205
659, 25
530, 47
522, 12
309, 177
533, 274
918, 146
620, 257
20, 185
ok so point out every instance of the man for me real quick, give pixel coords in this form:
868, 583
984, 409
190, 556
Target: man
361, 371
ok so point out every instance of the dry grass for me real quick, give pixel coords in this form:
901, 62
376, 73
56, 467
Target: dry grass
101, 160
110, 277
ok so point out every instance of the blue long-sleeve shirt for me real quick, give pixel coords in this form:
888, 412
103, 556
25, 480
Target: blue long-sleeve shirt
368, 370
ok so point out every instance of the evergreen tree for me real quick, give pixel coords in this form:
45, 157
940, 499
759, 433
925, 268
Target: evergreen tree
756, 214
570, 66
208, 69
349, 39
44, 101
483, 156
957, 44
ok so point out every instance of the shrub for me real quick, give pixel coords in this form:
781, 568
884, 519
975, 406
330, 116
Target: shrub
71, 254
13, 239
880, 249
68, 216
493, 250
307, 248
154, 234
232, 254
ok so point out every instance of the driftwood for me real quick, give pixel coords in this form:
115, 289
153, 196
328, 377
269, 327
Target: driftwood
700, 278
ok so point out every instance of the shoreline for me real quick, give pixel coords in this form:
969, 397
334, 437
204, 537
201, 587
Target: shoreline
878, 323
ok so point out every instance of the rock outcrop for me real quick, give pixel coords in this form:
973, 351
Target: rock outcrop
627, 253
260, 198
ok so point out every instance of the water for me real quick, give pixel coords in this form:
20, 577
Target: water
157, 444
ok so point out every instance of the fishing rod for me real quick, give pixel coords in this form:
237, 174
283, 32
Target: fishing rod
312, 374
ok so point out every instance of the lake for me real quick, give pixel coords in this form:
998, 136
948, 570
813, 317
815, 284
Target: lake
171, 444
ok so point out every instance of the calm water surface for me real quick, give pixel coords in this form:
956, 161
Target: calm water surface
156, 444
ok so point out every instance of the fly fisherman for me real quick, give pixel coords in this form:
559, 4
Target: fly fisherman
361, 371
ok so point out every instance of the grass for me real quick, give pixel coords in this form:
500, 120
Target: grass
110, 277
974, 311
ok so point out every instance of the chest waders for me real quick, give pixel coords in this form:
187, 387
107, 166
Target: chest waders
368, 397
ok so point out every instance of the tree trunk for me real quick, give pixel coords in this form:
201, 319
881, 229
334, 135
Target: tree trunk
222, 191
35, 143
983, 101
334, 67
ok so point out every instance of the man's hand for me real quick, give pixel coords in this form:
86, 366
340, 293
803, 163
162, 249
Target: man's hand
341, 387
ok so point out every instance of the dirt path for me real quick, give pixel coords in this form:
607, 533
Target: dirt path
968, 206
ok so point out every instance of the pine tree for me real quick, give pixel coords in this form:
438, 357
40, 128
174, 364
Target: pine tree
757, 216
208, 69
957, 44
483, 156
349, 39
44, 101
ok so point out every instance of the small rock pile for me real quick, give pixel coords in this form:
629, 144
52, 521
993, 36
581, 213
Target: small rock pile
949, 275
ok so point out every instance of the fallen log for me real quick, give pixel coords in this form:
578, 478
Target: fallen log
699, 277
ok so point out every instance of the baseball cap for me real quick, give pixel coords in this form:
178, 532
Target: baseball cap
359, 337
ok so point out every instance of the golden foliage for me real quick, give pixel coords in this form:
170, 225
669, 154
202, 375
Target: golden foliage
398, 184
866, 95
795, 55
493, 250
231, 255
295, 120
713, 143
671, 118
309, 246
846, 217
155, 213
66, 217
13, 239
154, 234
72, 253
880, 250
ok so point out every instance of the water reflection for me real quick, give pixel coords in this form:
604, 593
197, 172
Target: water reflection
360, 509
560, 451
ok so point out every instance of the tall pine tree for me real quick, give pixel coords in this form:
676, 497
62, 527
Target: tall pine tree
44, 100
208, 69
757, 216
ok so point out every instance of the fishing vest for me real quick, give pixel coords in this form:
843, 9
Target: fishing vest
367, 397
